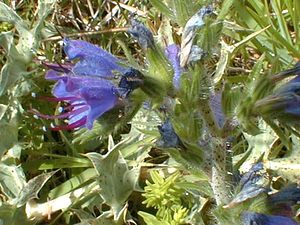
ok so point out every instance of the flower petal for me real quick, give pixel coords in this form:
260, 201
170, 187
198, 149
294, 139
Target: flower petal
93, 60
172, 53
99, 100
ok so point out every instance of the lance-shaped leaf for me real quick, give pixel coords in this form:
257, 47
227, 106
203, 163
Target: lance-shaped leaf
228, 50
20, 55
10, 137
12, 180
288, 166
33, 187
159, 78
7, 14
258, 145
30, 39
14, 66
116, 180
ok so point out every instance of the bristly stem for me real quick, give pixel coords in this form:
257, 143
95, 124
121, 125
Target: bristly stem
218, 171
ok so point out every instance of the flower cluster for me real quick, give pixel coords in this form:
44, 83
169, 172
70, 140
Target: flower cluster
85, 86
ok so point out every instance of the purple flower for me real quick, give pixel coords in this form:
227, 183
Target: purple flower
172, 53
282, 202
81, 86
93, 61
284, 104
250, 218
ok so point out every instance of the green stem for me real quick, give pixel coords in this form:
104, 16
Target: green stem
218, 172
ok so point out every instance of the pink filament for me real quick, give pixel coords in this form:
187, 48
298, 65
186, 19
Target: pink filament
61, 116
70, 107
71, 126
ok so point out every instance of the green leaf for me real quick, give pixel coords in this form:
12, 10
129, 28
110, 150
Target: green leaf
222, 63
227, 52
159, 71
6, 41
33, 187
14, 67
3, 109
289, 166
72, 183
10, 73
165, 10
181, 12
7, 14
12, 180
44, 8
259, 145
8, 138
21, 54
151, 220
13, 216
226, 6
116, 180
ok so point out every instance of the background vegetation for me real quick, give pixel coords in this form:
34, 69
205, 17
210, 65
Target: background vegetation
122, 171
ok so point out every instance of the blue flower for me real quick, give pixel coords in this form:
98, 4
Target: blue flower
284, 104
282, 202
251, 218
169, 139
82, 86
93, 61
130, 80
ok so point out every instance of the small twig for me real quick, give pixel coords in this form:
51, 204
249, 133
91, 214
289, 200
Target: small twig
91, 8
80, 14
81, 34
237, 70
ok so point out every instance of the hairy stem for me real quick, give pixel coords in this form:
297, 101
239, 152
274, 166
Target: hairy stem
218, 172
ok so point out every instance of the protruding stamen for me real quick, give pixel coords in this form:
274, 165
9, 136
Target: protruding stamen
71, 107
71, 126
60, 116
